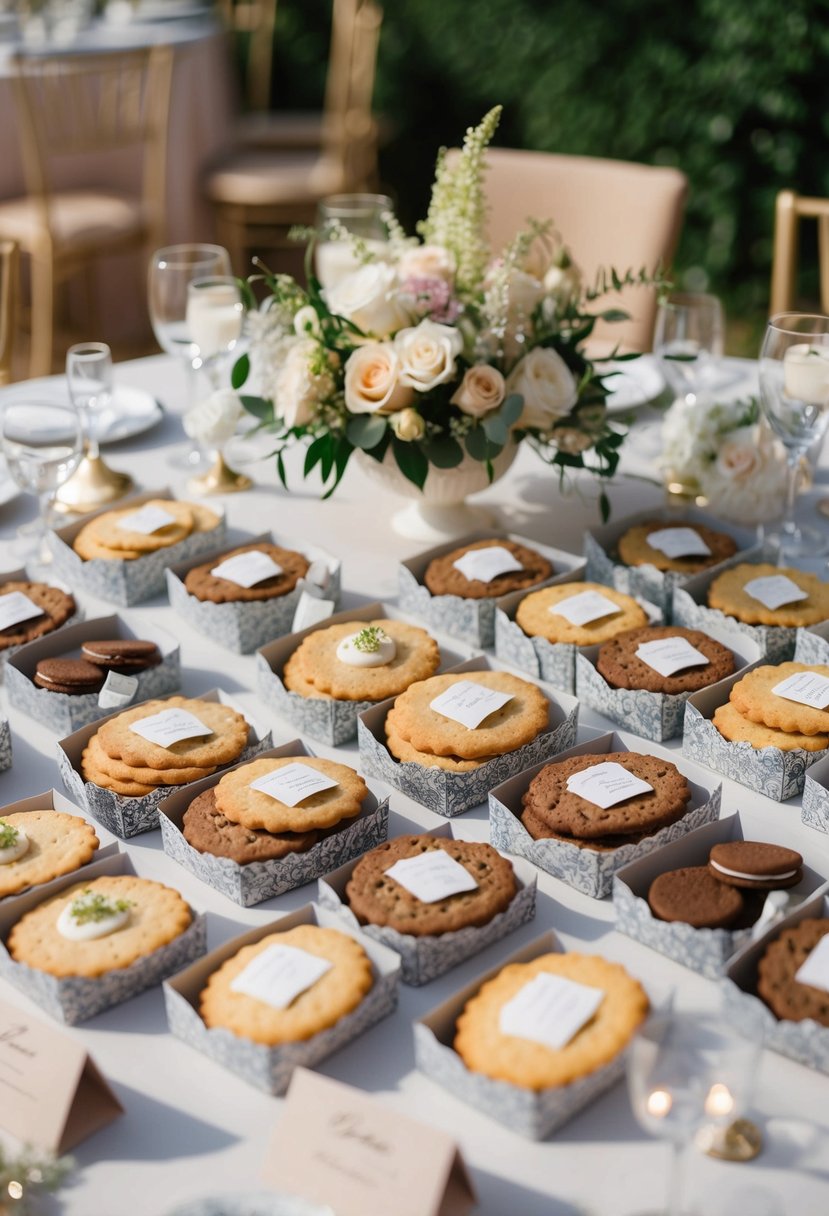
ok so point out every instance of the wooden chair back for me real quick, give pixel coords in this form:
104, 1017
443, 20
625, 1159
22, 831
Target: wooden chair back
790, 210
253, 23
349, 127
9, 280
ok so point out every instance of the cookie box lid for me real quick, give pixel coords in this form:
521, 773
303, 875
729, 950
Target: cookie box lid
256, 881
812, 644
814, 810
588, 870
270, 1068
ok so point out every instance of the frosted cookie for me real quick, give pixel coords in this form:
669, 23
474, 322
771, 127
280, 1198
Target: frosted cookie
734, 727
37, 846
253, 808
364, 660
443, 578
635, 549
728, 594
538, 617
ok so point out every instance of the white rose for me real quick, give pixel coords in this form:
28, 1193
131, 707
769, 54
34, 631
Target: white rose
213, 421
307, 322
368, 298
547, 385
481, 390
427, 262
372, 380
407, 424
427, 354
524, 292
298, 389
747, 481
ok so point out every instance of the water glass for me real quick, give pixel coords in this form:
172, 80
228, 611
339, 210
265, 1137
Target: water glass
215, 312
43, 445
89, 380
689, 339
358, 214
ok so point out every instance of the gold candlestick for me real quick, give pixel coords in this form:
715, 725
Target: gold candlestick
219, 479
92, 485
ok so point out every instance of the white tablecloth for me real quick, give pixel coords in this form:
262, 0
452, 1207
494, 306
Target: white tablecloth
193, 1129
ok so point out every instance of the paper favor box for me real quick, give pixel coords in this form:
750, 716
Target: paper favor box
123, 815
704, 950
128, 582
449, 793
5, 745
587, 870
814, 809
324, 718
259, 880
812, 645
270, 1068
66, 712
471, 620
21, 576
424, 958
770, 771
243, 626
75, 999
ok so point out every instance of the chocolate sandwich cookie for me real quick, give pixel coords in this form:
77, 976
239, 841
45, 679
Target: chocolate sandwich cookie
209, 831
776, 985
206, 586
443, 578
72, 676
755, 865
692, 895
619, 664
55, 606
124, 655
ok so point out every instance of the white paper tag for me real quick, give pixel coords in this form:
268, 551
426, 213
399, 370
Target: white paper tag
432, 876
15, 606
310, 610
550, 1009
669, 655
806, 687
279, 974
679, 542
585, 607
775, 590
293, 783
148, 519
469, 703
606, 784
247, 569
815, 969
117, 691
487, 564
170, 726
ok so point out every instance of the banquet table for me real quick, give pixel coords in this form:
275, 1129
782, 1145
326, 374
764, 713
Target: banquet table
193, 1129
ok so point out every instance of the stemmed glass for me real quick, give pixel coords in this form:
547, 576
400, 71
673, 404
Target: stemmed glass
794, 394
359, 214
89, 380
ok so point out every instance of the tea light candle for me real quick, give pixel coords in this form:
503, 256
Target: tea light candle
214, 318
659, 1103
719, 1102
336, 259
806, 373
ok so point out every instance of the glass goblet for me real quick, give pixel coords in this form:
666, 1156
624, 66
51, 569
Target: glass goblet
215, 313
361, 215
89, 380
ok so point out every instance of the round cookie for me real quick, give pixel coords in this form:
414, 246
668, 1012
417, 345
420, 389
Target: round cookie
619, 665
484, 1047
89, 548
776, 985
335, 994
539, 830
256, 809
207, 587
106, 528
535, 617
755, 865
205, 519
692, 895
295, 680
96, 763
733, 726
417, 656
634, 549
442, 578
58, 844
71, 676
56, 607
227, 741
377, 899
402, 750
521, 719
753, 698
122, 654
209, 831
727, 593
157, 915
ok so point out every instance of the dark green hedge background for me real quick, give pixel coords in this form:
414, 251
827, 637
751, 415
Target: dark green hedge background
734, 92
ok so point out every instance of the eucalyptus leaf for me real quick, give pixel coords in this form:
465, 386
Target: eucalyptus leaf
259, 407
511, 408
241, 370
366, 430
410, 461
443, 451
479, 446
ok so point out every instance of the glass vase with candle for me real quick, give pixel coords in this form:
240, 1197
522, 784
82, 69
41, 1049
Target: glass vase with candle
358, 214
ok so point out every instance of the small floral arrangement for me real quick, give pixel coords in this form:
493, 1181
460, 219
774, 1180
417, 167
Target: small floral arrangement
27, 1174
431, 352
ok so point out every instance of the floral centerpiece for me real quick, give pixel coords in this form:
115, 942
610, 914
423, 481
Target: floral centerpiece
432, 353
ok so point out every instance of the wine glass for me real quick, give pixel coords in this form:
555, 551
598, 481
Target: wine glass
214, 320
794, 395
89, 380
43, 445
359, 214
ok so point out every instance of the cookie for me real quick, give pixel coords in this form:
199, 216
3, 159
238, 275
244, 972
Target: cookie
107, 528
442, 578
88, 547
776, 985
56, 608
619, 665
317, 659
521, 719
335, 994
96, 763
634, 549
70, 676
255, 809
568, 814
123, 655
209, 831
737, 729
58, 844
401, 749
695, 897
484, 1047
157, 915
753, 698
377, 899
205, 586
224, 745
539, 830
295, 680
536, 615
755, 865
727, 593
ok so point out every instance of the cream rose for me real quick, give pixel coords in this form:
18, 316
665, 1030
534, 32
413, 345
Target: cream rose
213, 421
299, 389
427, 354
368, 298
372, 380
547, 385
747, 481
408, 425
427, 262
481, 391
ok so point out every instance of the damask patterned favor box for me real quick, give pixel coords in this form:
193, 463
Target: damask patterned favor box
472, 620
256, 881
425, 957
5, 745
21, 576
451, 793
812, 645
265, 1067
588, 870
814, 810
243, 626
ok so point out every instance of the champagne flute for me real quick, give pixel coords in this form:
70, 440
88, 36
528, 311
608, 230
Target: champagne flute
359, 214
89, 380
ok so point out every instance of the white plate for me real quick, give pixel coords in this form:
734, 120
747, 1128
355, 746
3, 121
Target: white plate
632, 384
133, 410
259, 1204
169, 10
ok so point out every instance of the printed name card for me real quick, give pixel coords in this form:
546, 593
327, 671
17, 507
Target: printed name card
170, 726
487, 564
16, 607
774, 591
247, 569
679, 542
550, 1010
432, 876
293, 783
51, 1093
279, 974
585, 607
148, 520
606, 784
815, 970
118, 690
669, 655
469, 703
806, 687
336, 1146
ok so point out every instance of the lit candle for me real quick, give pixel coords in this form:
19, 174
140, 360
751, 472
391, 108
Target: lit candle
336, 259
806, 373
659, 1103
719, 1102
214, 318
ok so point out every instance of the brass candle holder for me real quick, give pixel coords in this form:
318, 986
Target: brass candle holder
93, 484
219, 479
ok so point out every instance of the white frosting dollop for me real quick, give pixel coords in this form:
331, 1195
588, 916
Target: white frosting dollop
348, 653
14, 851
69, 927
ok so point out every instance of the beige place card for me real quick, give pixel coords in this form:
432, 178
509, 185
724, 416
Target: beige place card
679, 542
487, 564
469, 703
775, 590
247, 569
336, 1145
170, 726
51, 1092
585, 607
607, 784
146, 520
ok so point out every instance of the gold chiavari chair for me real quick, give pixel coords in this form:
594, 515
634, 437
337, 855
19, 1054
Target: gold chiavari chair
9, 286
253, 23
790, 210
